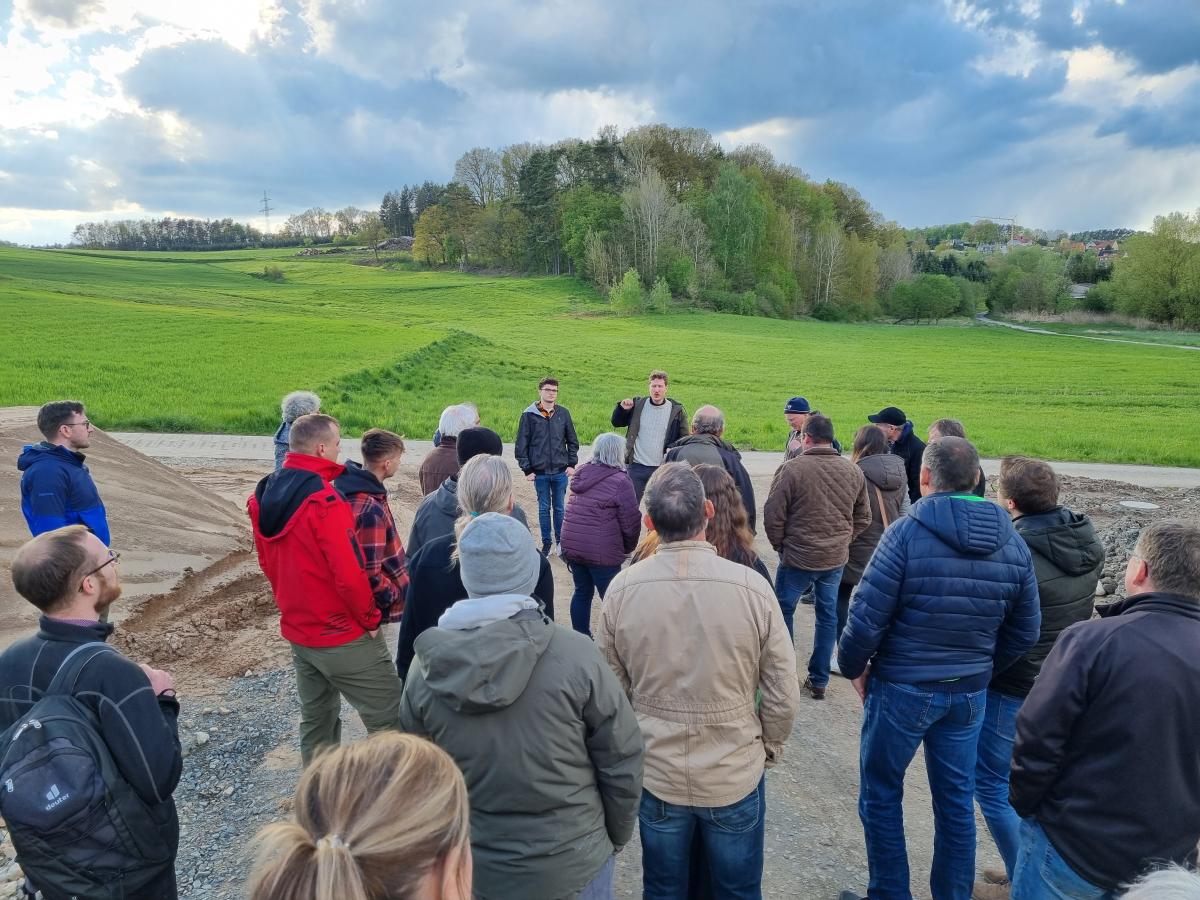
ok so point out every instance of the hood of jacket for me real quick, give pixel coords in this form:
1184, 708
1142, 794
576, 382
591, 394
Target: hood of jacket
712, 439
884, 470
591, 474
906, 431
281, 494
969, 524
533, 408
1064, 538
445, 498
358, 480
31, 454
481, 670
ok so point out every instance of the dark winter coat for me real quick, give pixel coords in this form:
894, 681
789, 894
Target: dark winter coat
602, 522
546, 446
1105, 757
548, 744
1067, 558
437, 513
435, 584
817, 505
440, 464
140, 730
708, 449
885, 477
910, 448
950, 594
677, 425
57, 490
280, 442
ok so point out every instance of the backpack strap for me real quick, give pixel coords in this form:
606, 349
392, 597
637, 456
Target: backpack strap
70, 667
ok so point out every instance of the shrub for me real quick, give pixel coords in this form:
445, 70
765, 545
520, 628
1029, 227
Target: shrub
627, 297
830, 312
681, 276
272, 273
660, 296
1101, 298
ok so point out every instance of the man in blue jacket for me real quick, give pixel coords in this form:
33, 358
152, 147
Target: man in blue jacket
56, 487
948, 598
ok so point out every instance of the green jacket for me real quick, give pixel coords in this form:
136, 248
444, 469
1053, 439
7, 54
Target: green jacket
548, 744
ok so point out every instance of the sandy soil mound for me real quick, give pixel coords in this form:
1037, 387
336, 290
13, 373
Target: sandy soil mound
164, 525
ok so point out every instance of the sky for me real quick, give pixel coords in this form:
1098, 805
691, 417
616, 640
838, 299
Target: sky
1066, 114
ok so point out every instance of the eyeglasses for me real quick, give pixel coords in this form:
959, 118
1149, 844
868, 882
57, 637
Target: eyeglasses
86, 423
113, 557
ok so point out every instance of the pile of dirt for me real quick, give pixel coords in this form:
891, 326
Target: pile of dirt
163, 525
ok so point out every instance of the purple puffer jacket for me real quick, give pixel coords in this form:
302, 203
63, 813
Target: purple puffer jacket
602, 522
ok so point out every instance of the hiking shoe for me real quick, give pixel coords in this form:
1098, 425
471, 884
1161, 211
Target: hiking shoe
808, 598
985, 891
995, 876
818, 693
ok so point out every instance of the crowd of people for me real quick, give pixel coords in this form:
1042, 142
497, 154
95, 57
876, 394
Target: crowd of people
511, 757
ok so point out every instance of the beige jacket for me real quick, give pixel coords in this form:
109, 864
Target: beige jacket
817, 505
692, 637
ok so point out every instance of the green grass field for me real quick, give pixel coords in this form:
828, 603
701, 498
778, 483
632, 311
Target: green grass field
191, 342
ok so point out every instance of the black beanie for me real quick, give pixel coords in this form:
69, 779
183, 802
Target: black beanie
477, 441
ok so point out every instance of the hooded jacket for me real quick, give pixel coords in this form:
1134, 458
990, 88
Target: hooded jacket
602, 522
57, 490
375, 528
911, 448
949, 596
441, 463
437, 513
1107, 743
435, 584
703, 448
548, 745
631, 419
817, 505
885, 478
307, 548
1067, 559
546, 446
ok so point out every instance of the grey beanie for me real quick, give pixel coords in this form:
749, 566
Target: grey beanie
496, 556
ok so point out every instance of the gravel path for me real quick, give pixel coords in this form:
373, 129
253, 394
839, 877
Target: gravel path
983, 317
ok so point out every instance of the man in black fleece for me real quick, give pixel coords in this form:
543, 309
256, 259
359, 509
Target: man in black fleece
1104, 769
71, 577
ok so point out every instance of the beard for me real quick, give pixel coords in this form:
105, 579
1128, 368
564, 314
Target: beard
108, 596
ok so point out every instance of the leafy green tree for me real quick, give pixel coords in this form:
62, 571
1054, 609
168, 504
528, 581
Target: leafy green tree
430, 244
1160, 276
736, 217
371, 232
659, 300
924, 297
538, 200
628, 298
587, 210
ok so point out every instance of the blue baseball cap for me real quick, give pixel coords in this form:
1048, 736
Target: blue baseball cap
797, 405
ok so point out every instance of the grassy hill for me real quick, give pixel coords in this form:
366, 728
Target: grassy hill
193, 342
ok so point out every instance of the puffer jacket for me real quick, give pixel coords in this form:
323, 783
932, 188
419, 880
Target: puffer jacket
692, 638
57, 490
440, 464
1067, 559
950, 594
709, 449
437, 513
817, 505
546, 741
546, 446
602, 522
885, 478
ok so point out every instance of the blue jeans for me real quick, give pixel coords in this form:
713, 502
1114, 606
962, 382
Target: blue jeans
552, 497
601, 887
733, 846
991, 775
897, 718
588, 579
1042, 874
789, 585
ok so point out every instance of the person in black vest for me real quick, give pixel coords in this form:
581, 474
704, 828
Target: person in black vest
653, 423
1104, 770
71, 577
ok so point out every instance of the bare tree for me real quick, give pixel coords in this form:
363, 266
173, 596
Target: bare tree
828, 248
512, 158
650, 213
479, 170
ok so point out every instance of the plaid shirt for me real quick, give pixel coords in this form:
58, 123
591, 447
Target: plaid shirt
383, 554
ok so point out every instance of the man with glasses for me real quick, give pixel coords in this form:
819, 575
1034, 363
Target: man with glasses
71, 577
56, 487
547, 450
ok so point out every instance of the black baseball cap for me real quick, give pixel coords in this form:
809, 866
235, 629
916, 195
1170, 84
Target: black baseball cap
889, 415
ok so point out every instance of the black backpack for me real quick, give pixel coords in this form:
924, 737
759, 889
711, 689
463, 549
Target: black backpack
78, 827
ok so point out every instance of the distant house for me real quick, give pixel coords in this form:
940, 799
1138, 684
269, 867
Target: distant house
1021, 240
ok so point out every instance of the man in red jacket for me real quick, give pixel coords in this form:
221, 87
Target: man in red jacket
304, 536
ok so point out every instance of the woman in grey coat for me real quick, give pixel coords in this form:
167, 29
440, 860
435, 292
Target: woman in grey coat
537, 722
